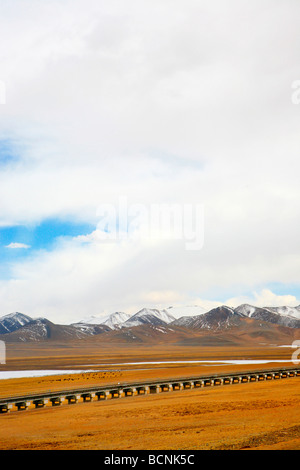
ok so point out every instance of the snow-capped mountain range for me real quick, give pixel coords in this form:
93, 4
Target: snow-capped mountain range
195, 315
114, 320
19, 327
152, 316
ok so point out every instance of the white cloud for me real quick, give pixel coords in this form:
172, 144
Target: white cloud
161, 102
17, 245
265, 298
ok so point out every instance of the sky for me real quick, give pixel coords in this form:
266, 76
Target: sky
149, 155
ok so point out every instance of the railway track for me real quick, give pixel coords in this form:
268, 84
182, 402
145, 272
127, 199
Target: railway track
126, 389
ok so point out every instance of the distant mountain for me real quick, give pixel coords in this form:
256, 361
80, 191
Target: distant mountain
246, 310
113, 321
285, 316
148, 334
150, 316
41, 329
286, 311
90, 329
219, 318
13, 321
116, 320
226, 317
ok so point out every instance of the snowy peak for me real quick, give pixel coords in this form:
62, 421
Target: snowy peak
251, 311
293, 312
151, 316
115, 320
285, 316
245, 310
217, 318
13, 321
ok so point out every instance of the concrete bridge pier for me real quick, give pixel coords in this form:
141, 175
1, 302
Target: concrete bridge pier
23, 405
188, 385
100, 395
88, 396
57, 401
40, 403
72, 399
244, 378
5, 408
217, 382
177, 386
207, 383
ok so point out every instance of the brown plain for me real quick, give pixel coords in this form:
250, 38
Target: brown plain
257, 415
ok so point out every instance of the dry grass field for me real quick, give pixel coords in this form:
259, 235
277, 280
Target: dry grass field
257, 415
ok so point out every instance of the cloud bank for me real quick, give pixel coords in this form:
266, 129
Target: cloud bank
161, 103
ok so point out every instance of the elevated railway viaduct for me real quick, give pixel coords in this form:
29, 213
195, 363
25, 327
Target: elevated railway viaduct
125, 389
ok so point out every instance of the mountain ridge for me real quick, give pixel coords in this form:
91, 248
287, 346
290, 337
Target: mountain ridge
151, 323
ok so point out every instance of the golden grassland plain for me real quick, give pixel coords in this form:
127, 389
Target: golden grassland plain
257, 415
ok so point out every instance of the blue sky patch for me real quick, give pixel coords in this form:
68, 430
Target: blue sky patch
8, 153
18, 242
